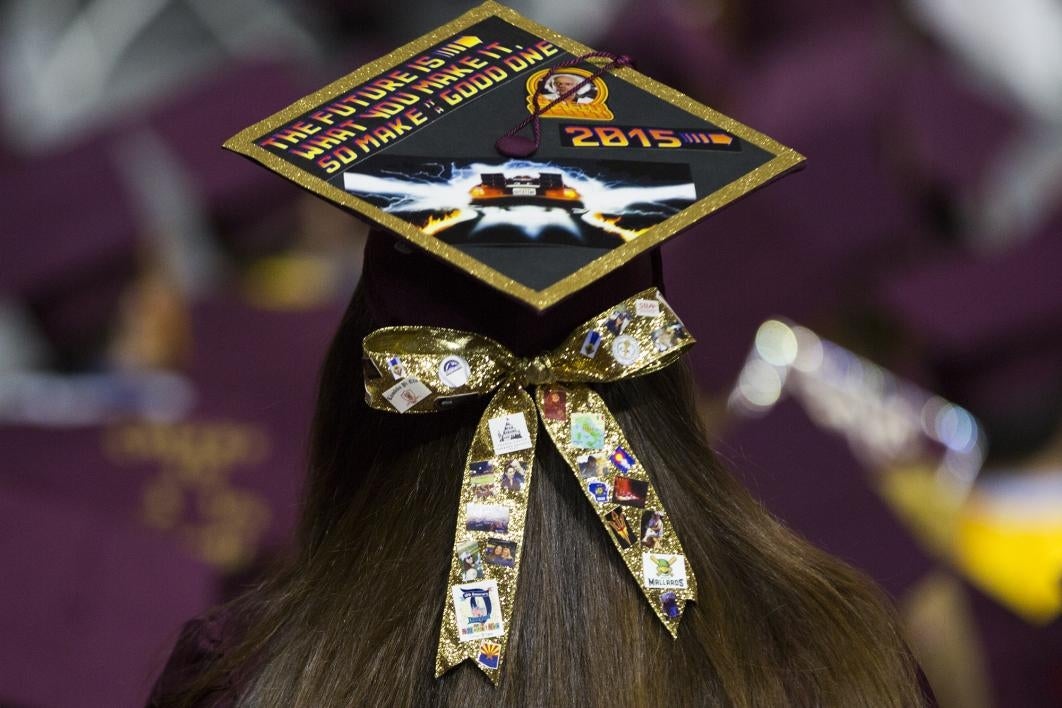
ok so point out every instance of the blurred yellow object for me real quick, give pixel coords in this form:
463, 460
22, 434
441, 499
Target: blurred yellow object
1013, 554
293, 281
930, 510
1005, 537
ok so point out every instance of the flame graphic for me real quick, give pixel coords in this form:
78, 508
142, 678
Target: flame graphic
610, 224
436, 224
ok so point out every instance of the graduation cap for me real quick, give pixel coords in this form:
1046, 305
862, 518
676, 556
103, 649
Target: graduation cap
409, 142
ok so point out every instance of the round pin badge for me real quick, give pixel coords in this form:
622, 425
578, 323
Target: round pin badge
454, 371
626, 350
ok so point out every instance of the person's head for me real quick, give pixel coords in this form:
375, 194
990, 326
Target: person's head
565, 82
352, 617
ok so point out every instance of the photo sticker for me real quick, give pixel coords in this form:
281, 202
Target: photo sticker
509, 433
478, 611
471, 561
517, 203
664, 571
621, 530
555, 404
618, 320
665, 338
482, 472
454, 371
485, 492
487, 517
588, 431
497, 551
483, 476
629, 492
590, 465
652, 528
406, 393
513, 476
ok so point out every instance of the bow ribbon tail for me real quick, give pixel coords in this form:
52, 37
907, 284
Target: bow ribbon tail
488, 542
621, 492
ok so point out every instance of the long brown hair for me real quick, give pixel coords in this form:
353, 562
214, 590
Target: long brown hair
352, 617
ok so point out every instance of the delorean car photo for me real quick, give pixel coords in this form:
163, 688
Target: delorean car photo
546, 189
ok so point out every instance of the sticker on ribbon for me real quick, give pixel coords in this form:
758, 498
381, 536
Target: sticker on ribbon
396, 367
471, 559
626, 350
662, 570
454, 371
653, 528
478, 610
588, 431
406, 393
509, 433
647, 308
555, 404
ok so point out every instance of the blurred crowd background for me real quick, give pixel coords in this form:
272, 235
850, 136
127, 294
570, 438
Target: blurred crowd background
880, 352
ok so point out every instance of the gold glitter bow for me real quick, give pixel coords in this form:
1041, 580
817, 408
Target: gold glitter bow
427, 369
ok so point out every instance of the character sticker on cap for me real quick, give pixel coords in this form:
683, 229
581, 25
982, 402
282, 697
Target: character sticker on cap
586, 102
509, 433
478, 610
454, 371
626, 162
662, 570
